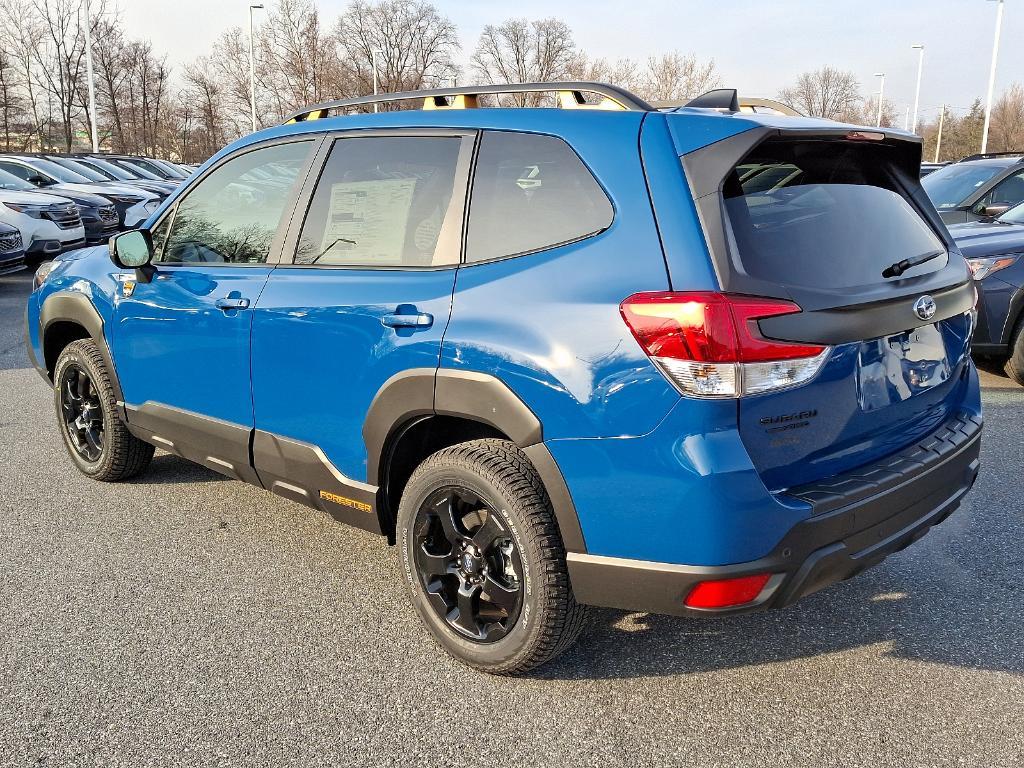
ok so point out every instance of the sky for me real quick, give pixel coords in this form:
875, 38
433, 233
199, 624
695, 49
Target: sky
759, 46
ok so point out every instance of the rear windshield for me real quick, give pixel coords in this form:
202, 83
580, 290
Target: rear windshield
949, 187
823, 214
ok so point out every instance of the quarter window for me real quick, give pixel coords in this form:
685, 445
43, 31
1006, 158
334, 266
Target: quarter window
387, 201
531, 192
232, 215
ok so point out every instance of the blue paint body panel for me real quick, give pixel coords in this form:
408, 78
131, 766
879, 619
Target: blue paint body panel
172, 345
652, 475
320, 352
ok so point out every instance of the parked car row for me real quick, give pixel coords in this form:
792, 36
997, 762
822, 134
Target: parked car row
59, 202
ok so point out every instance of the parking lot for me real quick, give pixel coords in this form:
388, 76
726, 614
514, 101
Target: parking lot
188, 619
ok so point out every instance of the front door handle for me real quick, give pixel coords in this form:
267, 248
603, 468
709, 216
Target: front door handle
232, 302
413, 320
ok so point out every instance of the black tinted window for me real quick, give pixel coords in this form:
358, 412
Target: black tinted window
531, 192
386, 202
823, 215
231, 216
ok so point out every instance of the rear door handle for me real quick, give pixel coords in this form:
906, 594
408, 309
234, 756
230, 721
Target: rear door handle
416, 320
231, 302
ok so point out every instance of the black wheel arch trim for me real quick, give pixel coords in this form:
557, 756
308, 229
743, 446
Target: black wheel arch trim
416, 393
77, 308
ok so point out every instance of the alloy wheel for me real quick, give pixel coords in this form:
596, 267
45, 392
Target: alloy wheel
82, 413
468, 562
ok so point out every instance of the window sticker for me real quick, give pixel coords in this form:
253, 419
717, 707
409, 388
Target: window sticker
367, 221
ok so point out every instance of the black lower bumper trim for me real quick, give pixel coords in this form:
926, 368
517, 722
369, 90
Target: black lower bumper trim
858, 520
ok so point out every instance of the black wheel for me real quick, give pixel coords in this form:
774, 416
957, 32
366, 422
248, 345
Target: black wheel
1015, 362
95, 437
484, 561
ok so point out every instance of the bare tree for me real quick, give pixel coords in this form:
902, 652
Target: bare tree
676, 76
1006, 133
415, 45
60, 59
523, 51
826, 92
23, 36
624, 73
865, 112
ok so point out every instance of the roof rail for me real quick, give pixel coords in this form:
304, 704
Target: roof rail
570, 96
987, 155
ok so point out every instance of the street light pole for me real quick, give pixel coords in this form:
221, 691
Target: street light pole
920, 70
375, 83
92, 87
881, 97
992, 78
252, 69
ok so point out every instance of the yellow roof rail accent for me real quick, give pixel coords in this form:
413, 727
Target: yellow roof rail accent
460, 101
575, 100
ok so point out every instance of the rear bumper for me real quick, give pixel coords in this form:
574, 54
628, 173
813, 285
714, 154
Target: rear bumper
858, 519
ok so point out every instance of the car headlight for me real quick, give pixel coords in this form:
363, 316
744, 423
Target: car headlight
151, 206
42, 273
29, 210
126, 199
983, 266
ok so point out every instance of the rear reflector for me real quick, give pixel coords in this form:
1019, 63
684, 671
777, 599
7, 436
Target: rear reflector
709, 344
726, 593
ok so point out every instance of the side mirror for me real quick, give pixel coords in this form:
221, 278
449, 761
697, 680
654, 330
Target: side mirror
995, 209
133, 250
40, 181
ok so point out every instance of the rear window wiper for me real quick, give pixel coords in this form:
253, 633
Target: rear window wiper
897, 269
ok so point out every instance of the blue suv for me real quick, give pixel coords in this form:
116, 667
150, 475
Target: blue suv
689, 362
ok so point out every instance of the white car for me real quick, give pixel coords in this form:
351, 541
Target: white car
48, 224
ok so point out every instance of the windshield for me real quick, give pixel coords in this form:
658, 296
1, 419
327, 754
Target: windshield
12, 183
58, 172
948, 187
115, 172
76, 167
140, 172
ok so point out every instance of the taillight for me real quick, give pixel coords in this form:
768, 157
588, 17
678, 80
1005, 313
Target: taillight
709, 344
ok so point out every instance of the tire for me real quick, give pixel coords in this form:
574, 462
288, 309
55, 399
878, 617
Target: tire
115, 454
1014, 366
547, 619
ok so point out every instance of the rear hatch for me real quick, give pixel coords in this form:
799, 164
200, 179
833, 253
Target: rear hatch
815, 218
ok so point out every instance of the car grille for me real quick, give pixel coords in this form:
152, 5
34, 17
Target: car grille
64, 216
10, 241
108, 214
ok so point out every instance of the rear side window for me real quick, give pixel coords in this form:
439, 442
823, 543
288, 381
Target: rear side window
823, 215
531, 192
386, 202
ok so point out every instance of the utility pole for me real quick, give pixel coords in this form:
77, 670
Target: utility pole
992, 78
920, 70
252, 69
88, 73
938, 142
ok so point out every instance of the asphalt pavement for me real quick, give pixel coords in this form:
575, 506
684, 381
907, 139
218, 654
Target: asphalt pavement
185, 619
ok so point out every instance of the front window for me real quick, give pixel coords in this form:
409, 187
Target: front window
949, 187
12, 183
61, 174
231, 216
